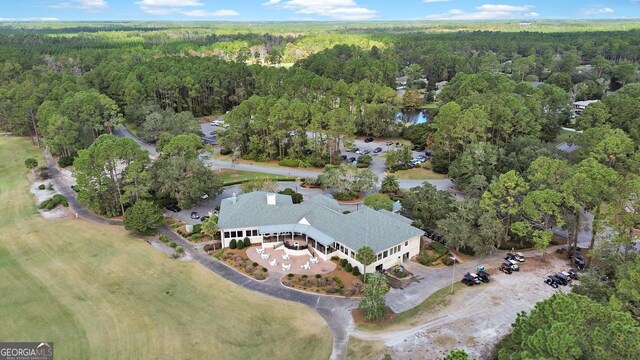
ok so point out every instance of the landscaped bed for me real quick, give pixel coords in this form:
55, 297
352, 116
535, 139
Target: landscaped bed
338, 282
181, 229
237, 258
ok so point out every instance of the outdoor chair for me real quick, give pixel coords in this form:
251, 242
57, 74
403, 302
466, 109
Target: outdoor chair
264, 256
259, 250
314, 260
286, 256
273, 262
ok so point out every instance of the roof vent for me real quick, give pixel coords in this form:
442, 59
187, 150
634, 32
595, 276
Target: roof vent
271, 199
233, 197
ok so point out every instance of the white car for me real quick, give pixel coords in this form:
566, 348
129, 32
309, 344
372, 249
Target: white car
215, 123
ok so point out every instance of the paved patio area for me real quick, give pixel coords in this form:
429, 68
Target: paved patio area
322, 267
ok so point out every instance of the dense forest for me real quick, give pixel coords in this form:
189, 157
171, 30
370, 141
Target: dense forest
497, 102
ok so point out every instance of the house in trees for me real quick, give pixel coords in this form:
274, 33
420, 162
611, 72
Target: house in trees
579, 106
318, 226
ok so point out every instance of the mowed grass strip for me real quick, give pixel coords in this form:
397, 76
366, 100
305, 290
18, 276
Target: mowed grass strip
99, 293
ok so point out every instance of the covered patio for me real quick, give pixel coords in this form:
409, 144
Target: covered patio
273, 260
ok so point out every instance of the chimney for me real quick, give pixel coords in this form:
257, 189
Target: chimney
271, 199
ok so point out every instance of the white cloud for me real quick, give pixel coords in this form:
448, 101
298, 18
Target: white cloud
488, 12
434, 1
598, 11
166, 7
335, 9
29, 19
217, 13
85, 5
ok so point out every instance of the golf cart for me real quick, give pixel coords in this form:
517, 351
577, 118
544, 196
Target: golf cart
579, 262
506, 268
551, 281
573, 273
470, 279
563, 279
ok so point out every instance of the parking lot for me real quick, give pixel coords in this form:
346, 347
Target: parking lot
475, 317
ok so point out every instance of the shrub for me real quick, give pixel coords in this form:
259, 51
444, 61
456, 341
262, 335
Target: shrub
260, 275
335, 258
197, 228
356, 271
447, 261
467, 250
264, 269
304, 277
65, 161
344, 197
344, 262
179, 249
295, 197
438, 248
365, 160
41, 187
318, 276
332, 289
232, 244
173, 245
255, 264
289, 162
56, 200
31, 163
240, 245
290, 276
348, 267
346, 212
246, 242
225, 151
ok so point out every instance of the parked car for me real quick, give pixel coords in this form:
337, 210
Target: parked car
517, 257
344, 157
194, 215
377, 150
579, 262
417, 147
571, 253
513, 264
354, 150
307, 151
204, 218
506, 268
368, 140
204, 196
483, 276
358, 152
558, 280
428, 153
215, 123
563, 279
173, 207
551, 281
470, 279
573, 273
389, 143
352, 159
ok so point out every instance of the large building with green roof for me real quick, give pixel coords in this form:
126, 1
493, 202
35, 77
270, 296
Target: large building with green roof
318, 226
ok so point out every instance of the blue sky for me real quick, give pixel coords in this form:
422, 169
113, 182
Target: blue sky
283, 10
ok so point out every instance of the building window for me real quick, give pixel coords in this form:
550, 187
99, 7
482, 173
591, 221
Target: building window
379, 257
254, 232
240, 233
353, 255
233, 234
406, 243
226, 234
398, 248
385, 254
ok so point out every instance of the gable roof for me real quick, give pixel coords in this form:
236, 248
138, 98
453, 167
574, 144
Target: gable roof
324, 222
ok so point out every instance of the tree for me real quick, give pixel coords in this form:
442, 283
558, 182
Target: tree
347, 179
561, 80
541, 207
503, 197
400, 155
427, 204
143, 217
186, 145
547, 173
571, 326
373, 297
457, 354
366, 256
210, 226
412, 99
378, 201
475, 168
296, 197
100, 172
31, 163
262, 184
390, 184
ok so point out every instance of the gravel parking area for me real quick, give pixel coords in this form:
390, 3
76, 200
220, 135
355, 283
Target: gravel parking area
477, 317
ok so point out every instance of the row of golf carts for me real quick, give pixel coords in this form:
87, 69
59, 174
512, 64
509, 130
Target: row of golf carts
509, 266
511, 263
565, 277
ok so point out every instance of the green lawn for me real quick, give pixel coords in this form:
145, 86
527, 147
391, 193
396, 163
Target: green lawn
564, 135
417, 315
230, 175
98, 292
364, 350
418, 174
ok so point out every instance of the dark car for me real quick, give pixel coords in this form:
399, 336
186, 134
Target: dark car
368, 140
571, 253
558, 280
204, 218
173, 207
506, 268
469, 279
344, 157
483, 276
307, 151
513, 264
365, 152
377, 150
517, 257
563, 279
579, 262
417, 147
428, 153
573, 273
194, 215
352, 159
551, 281
354, 149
